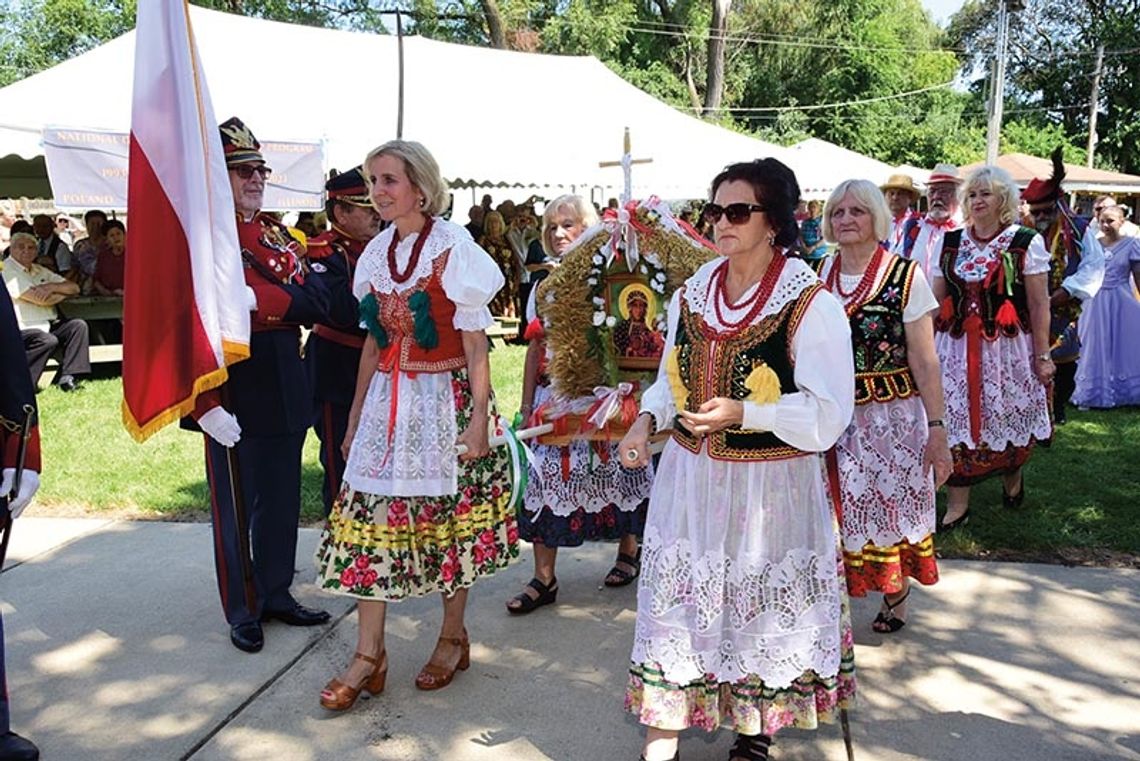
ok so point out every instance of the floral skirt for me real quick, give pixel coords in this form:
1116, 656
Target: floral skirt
572, 530
747, 706
882, 569
972, 466
378, 547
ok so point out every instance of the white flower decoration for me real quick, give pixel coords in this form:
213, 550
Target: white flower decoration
611, 321
597, 259
599, 318
599, 301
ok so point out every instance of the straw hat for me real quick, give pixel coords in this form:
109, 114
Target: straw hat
944, 173
900, 182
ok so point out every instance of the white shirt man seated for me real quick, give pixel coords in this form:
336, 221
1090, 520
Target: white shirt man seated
35, 290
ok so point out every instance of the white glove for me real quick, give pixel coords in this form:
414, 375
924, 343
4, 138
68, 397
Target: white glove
29, 483
251, 299
221, 426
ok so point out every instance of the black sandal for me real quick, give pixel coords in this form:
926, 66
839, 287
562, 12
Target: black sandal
886, 622
751, 748
547, 593
622, 576
1013, 502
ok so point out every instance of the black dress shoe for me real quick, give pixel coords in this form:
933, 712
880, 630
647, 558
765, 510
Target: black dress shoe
298, 615
247, 637
16, 748
68, 383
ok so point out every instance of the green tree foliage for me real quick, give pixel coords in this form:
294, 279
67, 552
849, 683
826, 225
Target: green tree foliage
1051, 64
37, 34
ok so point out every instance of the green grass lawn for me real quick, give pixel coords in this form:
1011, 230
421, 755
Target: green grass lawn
1082, 504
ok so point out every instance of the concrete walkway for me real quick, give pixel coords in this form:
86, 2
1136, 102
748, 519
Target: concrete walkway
116, 649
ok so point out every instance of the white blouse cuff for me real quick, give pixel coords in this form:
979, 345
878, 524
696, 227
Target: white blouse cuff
473, 319
758, 417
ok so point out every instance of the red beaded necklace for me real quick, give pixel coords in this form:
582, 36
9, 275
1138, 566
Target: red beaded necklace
755, 302
854, 299
417, 247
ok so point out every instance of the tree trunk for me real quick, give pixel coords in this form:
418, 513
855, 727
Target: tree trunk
714, 84
494, 23
690, 84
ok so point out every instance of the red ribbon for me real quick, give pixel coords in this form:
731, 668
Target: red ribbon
832, 460
972, 326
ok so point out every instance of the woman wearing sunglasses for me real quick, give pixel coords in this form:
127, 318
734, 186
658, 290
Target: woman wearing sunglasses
741, 615
894, 455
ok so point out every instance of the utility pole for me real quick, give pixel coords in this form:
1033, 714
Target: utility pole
1094, 101
400, 74
1001, 45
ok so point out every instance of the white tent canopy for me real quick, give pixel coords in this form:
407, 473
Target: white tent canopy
567, 113
821, 165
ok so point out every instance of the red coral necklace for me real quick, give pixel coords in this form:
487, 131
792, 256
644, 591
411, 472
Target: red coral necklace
414, 259
755, 302
853, 300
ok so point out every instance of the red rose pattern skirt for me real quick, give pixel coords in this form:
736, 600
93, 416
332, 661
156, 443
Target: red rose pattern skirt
378, 547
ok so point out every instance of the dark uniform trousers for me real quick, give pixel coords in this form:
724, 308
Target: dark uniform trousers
269, 477
331, 426
71, 335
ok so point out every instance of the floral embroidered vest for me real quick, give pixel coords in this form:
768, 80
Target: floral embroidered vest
878, 338
999, 301
713, 364
397, 316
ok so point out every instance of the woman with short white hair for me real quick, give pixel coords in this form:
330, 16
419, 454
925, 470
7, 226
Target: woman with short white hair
993, 341
893, 455
579, 491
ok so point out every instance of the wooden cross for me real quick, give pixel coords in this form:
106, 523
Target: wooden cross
626, 164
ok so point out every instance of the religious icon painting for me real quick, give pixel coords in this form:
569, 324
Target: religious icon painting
604, 308
638, 335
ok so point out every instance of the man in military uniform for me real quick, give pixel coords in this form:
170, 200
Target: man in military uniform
17, 396
333, 351
1076, 270
256, 422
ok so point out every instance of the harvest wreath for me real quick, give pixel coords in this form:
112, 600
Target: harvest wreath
643, 253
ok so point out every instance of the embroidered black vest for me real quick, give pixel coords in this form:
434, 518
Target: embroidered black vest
713, 364
878, 337
975, 298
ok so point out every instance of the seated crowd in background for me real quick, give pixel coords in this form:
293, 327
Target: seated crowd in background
35, 290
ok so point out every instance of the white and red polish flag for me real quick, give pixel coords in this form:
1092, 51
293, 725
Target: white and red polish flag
185, 317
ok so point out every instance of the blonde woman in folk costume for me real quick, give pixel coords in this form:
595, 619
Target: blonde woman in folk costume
894, 454
576, 495
412, 518
993, 342
741, 610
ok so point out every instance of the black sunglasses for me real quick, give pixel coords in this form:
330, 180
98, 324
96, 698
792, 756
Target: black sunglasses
737, 213
245, 171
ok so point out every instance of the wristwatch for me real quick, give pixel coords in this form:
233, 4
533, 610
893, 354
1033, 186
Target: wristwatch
936, 423
1045, 357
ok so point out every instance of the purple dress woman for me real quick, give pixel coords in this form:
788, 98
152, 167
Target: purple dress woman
1109, 371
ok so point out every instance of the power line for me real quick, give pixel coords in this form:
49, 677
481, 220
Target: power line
816, 106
